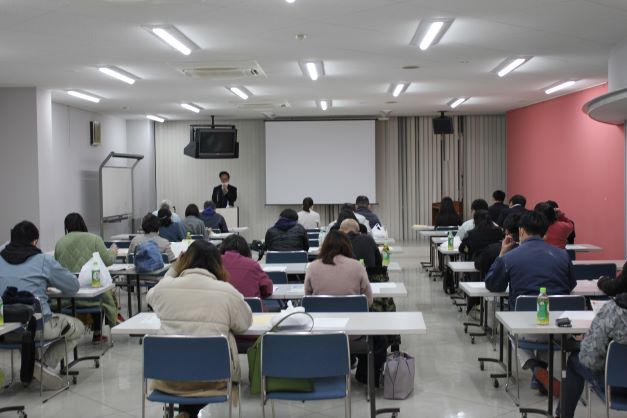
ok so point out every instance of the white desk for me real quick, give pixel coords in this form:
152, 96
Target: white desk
128, 270
83, 292
379, 290
433, 233
238, 229
462, 266
478, 289
289, 268
381, 241
419, 227
218, 236
445, 251
315, 251
619, 263
583, 248
9, 327
122, 237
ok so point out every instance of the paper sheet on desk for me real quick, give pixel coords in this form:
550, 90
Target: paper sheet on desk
330, 323
120, 267
262, 321
578, 315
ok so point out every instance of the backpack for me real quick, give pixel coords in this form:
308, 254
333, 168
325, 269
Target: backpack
148, 257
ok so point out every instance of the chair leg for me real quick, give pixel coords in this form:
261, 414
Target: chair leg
263, 405
272, 404
607, 400
347, 407
589, 407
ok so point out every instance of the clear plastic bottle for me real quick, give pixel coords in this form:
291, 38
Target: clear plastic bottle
95, 274
542, 312
362, 262
450, 241
386, 253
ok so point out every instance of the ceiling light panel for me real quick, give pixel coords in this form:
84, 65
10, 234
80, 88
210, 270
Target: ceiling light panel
119, 74
510, 64
313, 69
324, 104
191, 107
173, 37
240, 91
430, 31
559, 86
83, 95
396, 89
456, 102
155, 118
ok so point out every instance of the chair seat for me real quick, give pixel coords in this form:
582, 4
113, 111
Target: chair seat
619, 397
158, 396
532, 345
324, 388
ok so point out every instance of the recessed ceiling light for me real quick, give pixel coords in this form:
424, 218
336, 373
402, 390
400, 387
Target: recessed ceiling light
173, 37
312, 68
155, 118
430, 31
118, 73
398, 88
84, 96
456, 102
559, 86
410, 67
240, 91
290, 1
391, 102
301, 36
191, 107
324, 104
509, 64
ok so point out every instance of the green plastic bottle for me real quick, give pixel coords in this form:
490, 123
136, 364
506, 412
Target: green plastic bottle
95, 275
386, 253
450, 241
362, 262
542, 312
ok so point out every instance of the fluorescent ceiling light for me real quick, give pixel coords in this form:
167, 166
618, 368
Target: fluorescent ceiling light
118, 73
312, 69
398, 88
290, 1
173, 37
509, 64
560, 86
240, 91
324, 104
191, 107
84, 96
155, 118
430, 32
456, 102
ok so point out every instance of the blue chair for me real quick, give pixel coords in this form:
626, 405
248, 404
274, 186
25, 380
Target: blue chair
528, 303
119, 244
278, 277
197, 237
594, 271
328, 364
313, 242
255, 304
202, 359
446, 228
615, 380
164, 257
286, 257
349, 303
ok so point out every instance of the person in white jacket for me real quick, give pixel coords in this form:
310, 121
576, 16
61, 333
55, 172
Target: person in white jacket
195, 298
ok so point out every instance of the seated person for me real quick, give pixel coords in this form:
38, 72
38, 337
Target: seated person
194, 298
610, 324
559, 228
213, 220
516, 205
245, 274
534, 264
484, 260
562, 216
498, 206
172, 231
166, 204
150, 226
307, 217
364, 247
73, 251
483, 233
25, 267
347, 212
287, 234
477, 204
362, 207
447, 215
614, 286
192, 222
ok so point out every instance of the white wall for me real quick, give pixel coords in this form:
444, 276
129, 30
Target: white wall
18, 158
141, 140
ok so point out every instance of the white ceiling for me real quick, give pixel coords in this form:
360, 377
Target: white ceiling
58, 44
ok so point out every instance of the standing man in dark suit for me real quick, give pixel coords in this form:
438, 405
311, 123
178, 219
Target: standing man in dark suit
224, 194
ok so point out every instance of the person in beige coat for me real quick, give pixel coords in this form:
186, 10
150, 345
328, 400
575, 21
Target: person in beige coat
195, 298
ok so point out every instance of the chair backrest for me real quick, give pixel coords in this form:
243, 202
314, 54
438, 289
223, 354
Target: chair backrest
278, 277
277, 257
164, 257
616, 365
446, 228
315, 231
314, 242
182, 358
327, 355
556, 303
594, 271
119, 244
197, 237
255, 304
349, 303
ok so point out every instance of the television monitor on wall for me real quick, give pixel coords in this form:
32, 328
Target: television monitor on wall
212, 142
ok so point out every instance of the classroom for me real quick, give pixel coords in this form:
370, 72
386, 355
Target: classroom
313, 208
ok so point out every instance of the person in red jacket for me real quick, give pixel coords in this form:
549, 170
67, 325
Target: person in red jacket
560, 227
245, 274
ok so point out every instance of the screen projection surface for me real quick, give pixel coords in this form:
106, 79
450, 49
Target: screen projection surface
330, 161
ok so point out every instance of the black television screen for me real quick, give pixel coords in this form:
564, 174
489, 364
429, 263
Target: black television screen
212, 142
443, 125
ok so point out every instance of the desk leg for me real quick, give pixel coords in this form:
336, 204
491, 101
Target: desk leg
499, 361
139, 295
128, 295
549, 411
373, 403
563, 356
77, 358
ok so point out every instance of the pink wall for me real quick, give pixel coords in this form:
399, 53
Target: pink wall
555, 151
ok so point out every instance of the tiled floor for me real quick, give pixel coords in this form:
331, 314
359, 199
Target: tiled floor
448, 380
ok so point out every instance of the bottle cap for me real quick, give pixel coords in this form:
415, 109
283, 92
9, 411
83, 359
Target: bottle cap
543, 290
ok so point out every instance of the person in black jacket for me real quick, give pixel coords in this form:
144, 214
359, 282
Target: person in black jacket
364, 246
516, 205
498, 206
447, 215
614, 286
483, 234
287, 234
224, 194
485, 258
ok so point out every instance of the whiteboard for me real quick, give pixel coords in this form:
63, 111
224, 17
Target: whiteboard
332, 161
117, 191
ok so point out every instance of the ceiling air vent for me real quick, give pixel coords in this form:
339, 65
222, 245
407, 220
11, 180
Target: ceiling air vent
224, 70
263, 107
